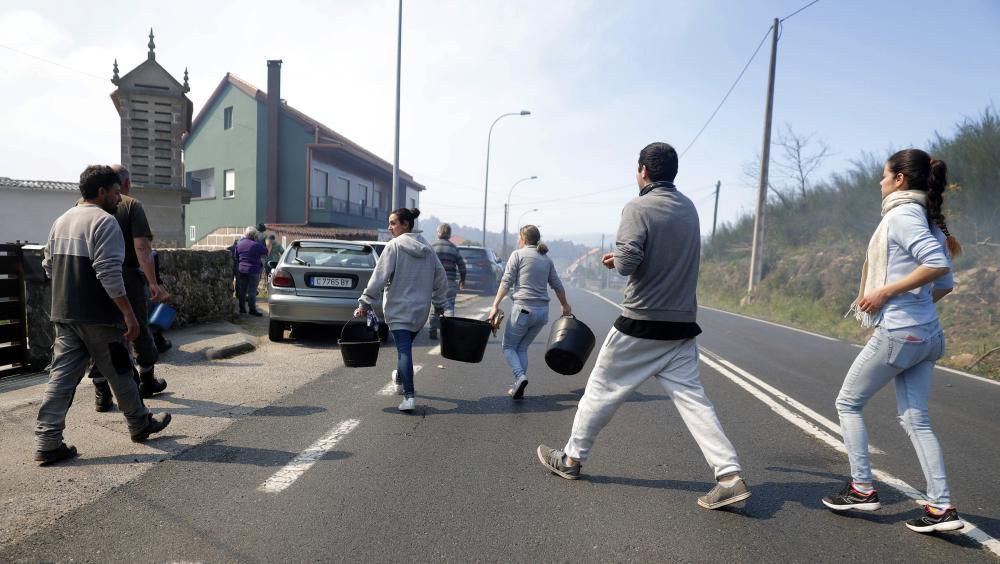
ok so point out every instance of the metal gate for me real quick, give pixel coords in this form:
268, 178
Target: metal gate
13, 330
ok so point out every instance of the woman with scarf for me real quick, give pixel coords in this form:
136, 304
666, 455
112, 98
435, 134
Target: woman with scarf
528, 275
417, 280
907, 269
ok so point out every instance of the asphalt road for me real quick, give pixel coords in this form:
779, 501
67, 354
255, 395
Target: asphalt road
458, 480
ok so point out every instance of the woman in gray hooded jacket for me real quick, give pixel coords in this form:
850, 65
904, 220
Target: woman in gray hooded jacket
416, 279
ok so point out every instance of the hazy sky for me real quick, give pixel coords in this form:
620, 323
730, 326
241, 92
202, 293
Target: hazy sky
601, 79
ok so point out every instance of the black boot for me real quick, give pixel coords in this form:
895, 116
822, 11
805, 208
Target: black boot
102, 397
149, 385
154, 424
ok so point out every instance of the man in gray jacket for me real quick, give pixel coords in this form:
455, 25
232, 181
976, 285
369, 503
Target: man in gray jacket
84, 257
658, 246
454, 267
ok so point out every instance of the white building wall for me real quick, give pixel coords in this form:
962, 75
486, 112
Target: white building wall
27, 215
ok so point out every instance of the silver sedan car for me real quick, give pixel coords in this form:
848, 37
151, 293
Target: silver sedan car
319, 281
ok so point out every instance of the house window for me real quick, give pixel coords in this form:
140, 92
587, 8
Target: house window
318, 189
202, 183
191, 234
227, 118
230, 184
342, 188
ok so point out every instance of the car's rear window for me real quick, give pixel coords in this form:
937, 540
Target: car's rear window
332, 256
472, 254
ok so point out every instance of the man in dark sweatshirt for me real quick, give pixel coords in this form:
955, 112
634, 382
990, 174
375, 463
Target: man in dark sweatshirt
84, 257
658, 247
139, 273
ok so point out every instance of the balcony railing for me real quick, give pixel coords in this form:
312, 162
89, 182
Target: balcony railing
336, 205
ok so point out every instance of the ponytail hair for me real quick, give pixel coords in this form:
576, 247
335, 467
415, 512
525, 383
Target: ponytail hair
406, 215
931, 176
531, 236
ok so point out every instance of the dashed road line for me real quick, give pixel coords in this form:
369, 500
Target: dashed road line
292, 471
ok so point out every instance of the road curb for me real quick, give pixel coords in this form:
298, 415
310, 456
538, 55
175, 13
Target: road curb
230, 350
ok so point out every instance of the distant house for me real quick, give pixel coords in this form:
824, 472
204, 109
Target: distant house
31, 206
251, 158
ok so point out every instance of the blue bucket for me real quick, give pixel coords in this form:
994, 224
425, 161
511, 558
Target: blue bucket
163, 316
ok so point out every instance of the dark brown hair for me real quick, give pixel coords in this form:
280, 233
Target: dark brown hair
927, 175
406, 215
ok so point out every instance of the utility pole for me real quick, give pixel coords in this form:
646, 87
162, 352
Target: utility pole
757, 251
715, 215
398, 200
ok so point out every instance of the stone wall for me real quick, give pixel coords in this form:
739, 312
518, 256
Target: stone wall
199, 282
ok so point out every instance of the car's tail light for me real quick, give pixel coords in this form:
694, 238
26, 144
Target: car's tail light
282, 279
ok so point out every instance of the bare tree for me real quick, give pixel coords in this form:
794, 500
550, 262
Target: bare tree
793, 166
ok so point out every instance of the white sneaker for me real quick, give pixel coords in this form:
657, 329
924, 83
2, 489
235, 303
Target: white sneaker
396, 382
517, 390
408, 404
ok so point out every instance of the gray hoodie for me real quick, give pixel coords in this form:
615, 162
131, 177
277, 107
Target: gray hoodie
416, 279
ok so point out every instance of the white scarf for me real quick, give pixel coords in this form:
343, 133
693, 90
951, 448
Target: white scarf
876, 268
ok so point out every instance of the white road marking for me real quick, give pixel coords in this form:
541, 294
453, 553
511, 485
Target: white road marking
967, 375
304, 461
797, 330
435, 351
723, 367
390, 388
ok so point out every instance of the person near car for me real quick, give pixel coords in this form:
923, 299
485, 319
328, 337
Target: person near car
658, 246
249, 251
527, 278
454, 266
418, 281
84, 255
907, 269
274, 252
141, 284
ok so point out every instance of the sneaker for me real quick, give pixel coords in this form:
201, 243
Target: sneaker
396, 382
434, 334
103, 400
553, 460
720, 495
947, 521
518, 388
62, 452
154, 424
408, 404
850, 498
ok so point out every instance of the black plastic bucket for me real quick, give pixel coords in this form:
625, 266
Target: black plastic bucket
570, 345
358, 344
464, 339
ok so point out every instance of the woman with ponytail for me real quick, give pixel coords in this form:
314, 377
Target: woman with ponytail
529, 272
417, 281
907, 269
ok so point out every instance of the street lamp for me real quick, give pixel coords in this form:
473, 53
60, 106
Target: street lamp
506, 212
486, 185
519, 224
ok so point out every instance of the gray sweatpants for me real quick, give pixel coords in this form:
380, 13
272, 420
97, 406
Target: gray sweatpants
75, 343
624, 364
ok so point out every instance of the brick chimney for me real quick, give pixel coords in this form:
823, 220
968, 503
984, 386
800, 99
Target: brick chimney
273, 125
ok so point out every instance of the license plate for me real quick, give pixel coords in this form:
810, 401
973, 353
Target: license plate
327, 282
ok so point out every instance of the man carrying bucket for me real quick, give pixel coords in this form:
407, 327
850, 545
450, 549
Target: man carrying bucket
139, 273
658, 247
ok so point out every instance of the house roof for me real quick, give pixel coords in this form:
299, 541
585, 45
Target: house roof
50, 185
327, 135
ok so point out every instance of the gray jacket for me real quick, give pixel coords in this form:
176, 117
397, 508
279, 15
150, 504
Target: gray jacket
417, 280
528, 275
658, 246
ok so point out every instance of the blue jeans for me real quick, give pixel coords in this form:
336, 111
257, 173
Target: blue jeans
906, 356
522, 327
449, 305
404, 366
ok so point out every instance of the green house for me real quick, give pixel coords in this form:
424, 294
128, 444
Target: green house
251, 158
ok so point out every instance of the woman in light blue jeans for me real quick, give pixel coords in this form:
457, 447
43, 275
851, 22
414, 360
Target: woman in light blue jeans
530, 273
907, 269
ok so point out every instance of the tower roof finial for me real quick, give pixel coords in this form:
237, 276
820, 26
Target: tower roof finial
114, 77
152, 45
186, 87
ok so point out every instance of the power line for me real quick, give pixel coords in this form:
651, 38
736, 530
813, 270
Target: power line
26, 54
797, 11
730, 91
